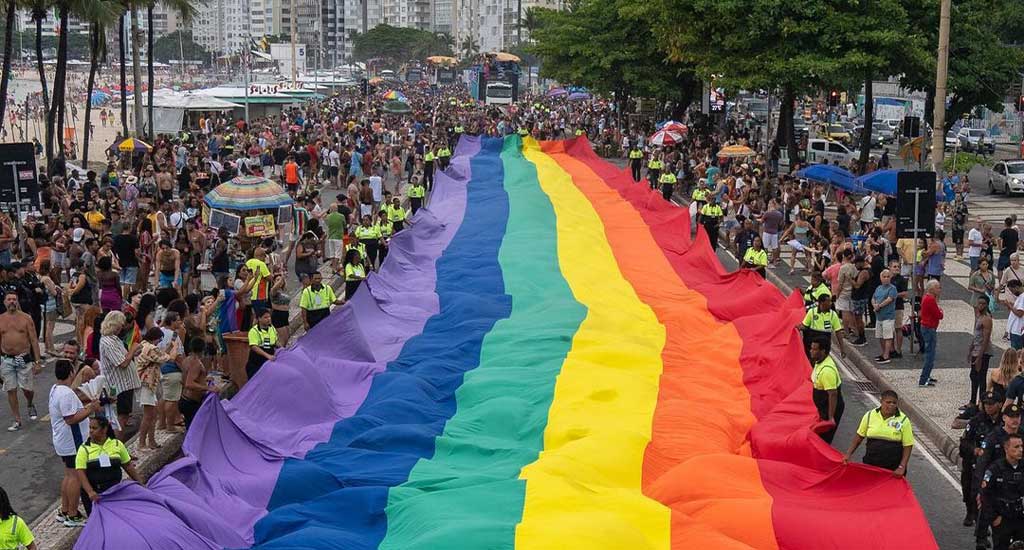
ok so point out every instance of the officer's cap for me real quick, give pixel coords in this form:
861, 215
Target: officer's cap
1012, 410
990, 397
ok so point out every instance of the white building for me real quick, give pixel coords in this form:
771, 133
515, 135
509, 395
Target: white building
491, 24
223, 26
51, 24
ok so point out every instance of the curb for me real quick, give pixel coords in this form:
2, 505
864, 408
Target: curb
945, 444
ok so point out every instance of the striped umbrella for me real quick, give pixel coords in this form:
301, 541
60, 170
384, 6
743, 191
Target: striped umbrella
132, 145
674, 126
395, 95
662, 138
247, 193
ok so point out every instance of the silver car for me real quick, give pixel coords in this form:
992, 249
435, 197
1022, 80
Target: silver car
1007, 176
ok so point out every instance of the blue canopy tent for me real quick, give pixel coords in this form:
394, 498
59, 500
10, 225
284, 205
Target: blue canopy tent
880, 181
884, 181
99, 98
831, 175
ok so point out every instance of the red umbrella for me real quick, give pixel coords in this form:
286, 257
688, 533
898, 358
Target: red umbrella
665, 137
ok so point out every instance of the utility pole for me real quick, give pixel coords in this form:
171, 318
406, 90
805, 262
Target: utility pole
295, 33
941, 73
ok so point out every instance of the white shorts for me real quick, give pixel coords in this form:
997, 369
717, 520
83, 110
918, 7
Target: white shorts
905, 269
147, 396
884, 330
844, 304
17, 373
795, 245
770, 241
334, 248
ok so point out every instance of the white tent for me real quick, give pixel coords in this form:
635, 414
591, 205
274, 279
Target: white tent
171, 109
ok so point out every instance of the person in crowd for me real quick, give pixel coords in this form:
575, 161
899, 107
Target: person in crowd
118, 364
931, 316
316, 301
979, 353
151, 358
262, 343
883, 302
195, 383
100, 461
69, 424
1014, 302
1002, 490
20, 360
889, 436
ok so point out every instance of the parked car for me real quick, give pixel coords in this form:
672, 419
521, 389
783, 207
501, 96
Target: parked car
885, 133
1007, 176
976, 141
952, 141
876, 138
824, 150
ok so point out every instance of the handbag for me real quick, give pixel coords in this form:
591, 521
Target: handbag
64, 308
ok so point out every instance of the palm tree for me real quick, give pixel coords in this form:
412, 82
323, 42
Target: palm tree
39, 11
468, 47
5, 74
124, 77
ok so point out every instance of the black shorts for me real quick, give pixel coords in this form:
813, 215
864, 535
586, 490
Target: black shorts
332, 171
278, 318
125, 401
69, 461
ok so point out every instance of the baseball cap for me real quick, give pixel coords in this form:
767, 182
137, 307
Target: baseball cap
1012, 410
989, 397
78, 234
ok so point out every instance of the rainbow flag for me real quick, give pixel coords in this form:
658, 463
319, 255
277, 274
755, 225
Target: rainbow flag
546, 359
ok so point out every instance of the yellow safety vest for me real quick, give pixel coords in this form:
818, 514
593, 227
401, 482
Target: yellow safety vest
416, 192
354, 272
655, 165
363, 232
316, 299
711, 211
700, 195
635, 154
458, 129
385, 228
395, 213
756, 257
825, 375
446, 152
428, 157
668, 177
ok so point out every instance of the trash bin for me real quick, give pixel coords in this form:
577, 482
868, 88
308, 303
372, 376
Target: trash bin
237, 343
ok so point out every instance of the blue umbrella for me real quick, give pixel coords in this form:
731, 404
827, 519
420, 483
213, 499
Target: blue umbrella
881, 181
831, 175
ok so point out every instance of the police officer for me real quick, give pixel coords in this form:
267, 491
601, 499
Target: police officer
444, 155
316, 301
428, 168
827, 394
262, 343
710, 216
987, 420
814, 290
668, 183
700, 194
991, 451
416, 192
820, 324
654, 167
1002, 495
889, 436
756, 257
636, 157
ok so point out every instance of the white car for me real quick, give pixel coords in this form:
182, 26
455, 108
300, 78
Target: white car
1007, 176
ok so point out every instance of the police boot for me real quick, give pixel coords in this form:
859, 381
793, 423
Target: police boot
969, 518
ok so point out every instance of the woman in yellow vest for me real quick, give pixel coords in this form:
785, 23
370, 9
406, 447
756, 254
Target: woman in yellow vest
369, 235
396, 214
416, 193
14, 532
100, 460
654, 167
827, 394
756, 257
889, 436
262, 342
387, 229
354, 273
636, 156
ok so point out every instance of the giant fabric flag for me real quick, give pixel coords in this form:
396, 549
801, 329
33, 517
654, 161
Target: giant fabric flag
547, 359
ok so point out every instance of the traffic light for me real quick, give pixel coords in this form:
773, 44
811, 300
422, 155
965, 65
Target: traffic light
833, 98
364, 86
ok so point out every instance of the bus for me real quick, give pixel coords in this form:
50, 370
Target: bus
499, 93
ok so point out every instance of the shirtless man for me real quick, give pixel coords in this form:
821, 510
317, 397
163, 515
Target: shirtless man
165, 184
19, 357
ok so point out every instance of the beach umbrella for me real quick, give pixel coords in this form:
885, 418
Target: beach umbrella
442, 60
375, 80
557, 92
505, 56
397, 107
736, 151
662, 138
247, 193
673, 126
831, 175
880, 181
132, 145
579, 96
394, 95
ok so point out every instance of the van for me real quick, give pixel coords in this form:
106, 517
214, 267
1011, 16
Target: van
824, 150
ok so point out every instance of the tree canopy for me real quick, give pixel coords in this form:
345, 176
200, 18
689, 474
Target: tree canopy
399, 45
166, 48
595, 46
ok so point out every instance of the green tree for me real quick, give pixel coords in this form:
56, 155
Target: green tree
166, 48
398, 45
618, 56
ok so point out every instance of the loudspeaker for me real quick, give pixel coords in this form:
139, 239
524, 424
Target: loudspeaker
911, 187
911, 126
